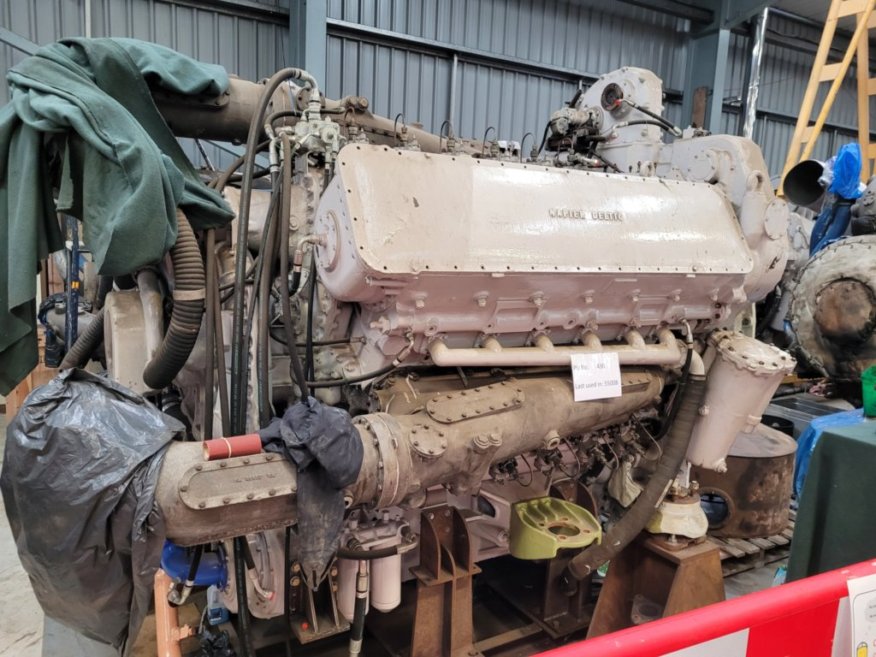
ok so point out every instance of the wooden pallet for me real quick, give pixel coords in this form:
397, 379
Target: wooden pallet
739, 555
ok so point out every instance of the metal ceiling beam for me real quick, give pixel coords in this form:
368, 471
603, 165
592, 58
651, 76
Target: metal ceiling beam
692, 12
740, 11
239, 8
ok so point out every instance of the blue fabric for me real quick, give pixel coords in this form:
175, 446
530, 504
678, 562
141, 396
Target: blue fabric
809, 439
831, 224
847, 172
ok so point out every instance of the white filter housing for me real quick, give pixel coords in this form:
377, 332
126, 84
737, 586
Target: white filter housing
742, 378
347, 570
386, 583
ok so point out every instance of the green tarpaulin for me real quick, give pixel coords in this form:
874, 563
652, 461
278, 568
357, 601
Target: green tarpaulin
835, 524
82, 135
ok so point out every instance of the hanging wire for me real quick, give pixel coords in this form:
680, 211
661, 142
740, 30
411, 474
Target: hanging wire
523, 143
395, 124
486, 132
450, 134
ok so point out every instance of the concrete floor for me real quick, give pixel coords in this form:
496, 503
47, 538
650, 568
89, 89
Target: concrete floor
21, 619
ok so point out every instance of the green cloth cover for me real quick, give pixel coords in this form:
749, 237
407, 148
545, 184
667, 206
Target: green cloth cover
82, 126
836, 526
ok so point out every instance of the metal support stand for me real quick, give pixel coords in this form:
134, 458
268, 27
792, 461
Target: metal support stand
443, 624
648, 580
540, 589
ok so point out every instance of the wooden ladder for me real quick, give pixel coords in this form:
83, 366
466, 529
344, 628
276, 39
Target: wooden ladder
805, 135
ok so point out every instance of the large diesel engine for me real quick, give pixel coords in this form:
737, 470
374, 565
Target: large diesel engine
503, 328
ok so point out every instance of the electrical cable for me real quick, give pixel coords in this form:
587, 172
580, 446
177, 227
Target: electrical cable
222, 181
544, 139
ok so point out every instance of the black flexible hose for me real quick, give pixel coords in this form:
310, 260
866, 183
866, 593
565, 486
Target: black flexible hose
670, 127
239, 360
689, 398
229, 175
295, 367
243, 629
263, 346
88, 340
357, 627
188, 309
185, 588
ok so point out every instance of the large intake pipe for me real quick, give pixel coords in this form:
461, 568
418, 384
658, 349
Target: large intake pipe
227, 117
451, 440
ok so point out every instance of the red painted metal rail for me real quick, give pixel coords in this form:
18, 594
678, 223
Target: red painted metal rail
798, 619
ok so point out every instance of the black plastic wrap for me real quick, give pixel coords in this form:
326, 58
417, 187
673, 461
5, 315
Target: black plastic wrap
81, 464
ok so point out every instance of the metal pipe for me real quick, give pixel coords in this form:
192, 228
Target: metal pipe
168, 632
227, 117
203, 502
545, 354
153, 310
757, 48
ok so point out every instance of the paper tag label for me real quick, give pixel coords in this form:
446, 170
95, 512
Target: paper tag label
596, 376
862, 601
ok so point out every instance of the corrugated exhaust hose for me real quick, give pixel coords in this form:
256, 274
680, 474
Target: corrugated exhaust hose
690, 398
188, 309
89, 340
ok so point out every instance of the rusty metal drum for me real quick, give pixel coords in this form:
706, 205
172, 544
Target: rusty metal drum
751, 499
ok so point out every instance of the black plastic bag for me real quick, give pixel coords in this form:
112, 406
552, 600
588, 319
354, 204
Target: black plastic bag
81, 464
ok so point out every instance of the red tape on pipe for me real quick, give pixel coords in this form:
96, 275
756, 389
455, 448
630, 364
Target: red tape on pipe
225, 448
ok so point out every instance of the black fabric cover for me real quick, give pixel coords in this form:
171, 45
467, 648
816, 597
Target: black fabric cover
79, 473
325, 446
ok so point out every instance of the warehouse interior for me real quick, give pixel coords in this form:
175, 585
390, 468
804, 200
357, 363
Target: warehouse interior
444, 327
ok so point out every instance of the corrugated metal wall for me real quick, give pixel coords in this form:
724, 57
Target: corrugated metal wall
568, 41
517, 60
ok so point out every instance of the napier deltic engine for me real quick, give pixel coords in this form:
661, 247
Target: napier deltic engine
534, 348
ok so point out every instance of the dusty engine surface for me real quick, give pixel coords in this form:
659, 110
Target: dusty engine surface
456, 300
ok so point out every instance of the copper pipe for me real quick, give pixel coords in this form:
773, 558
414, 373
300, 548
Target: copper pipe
168, 632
